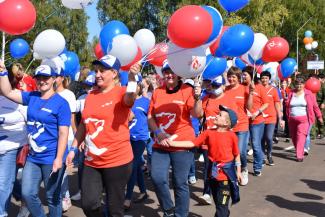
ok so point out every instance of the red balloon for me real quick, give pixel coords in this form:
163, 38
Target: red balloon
313, 84
214, 46
98, 51
17, 16
158, 54
275, 50
190, 26
136, 59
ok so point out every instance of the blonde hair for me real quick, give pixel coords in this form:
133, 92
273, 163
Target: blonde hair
83, 73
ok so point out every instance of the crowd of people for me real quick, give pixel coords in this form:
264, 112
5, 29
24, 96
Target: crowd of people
103, 123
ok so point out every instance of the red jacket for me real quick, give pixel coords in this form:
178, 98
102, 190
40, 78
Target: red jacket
312, 107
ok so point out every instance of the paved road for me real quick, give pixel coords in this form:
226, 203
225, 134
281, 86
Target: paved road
288, 189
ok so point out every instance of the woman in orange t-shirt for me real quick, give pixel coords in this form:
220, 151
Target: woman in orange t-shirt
104, 127
169, 115
240, 94
255, 113
272, 112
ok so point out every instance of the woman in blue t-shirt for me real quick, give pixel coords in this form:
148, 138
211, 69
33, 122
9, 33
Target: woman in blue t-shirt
48, 121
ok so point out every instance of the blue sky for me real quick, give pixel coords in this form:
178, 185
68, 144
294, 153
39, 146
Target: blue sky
93, 24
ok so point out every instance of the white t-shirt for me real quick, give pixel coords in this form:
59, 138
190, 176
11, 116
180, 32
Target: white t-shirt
298, 105
13, 130
81, 103
69, 96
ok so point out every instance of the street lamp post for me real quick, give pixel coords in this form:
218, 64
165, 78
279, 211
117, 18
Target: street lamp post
298, 41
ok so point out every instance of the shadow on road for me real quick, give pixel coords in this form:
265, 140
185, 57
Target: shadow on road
314, 184
309, 196
310, 208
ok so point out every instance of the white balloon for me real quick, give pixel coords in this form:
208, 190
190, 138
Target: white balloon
145, 39
49, 43
229, 64
256, 50
271, 67
186, 63
76, 4
36, 56
56, 63
124, 48
314, 44
308, 46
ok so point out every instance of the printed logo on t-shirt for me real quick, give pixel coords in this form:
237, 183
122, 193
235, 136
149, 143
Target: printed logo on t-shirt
38, 130
167, 121
133, 123
46, 110
178, 102
107, 104
90, 145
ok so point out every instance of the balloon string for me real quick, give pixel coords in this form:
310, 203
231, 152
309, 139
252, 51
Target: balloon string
3, 47
30, 63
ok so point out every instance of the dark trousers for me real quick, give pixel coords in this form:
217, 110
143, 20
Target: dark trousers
114, 180
221, 195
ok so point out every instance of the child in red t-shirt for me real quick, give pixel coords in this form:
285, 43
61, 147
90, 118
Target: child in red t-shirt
224, 159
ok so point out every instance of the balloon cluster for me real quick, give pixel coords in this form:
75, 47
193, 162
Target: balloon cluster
115, 39
309, 41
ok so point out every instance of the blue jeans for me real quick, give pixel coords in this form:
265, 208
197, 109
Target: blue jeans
192, 168
33, 175
256, 133
7, 179
137, 173
243, 137
307, 143
180, 161
267, 141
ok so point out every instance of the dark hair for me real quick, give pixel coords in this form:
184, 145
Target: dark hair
12, 78
321, 76
234, 71
265, 73
249, 70
300, 79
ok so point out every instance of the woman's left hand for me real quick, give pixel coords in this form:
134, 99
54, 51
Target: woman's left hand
57, 164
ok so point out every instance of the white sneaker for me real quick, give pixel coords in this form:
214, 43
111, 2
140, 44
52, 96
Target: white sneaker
23, 211
250, 152
289, 148
201, 158
244, 177
192, 180
77, 196
205, 200
66, 204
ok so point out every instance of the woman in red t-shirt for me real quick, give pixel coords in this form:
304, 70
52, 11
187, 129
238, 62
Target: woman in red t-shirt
169, 115
104, 127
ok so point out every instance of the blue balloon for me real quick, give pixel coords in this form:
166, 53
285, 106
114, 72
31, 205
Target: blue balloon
233, 5
217, 22
236, 40
215, 67
239, 63
19, 48
124, 78
308, 34
288, 67
71, 63
109, 31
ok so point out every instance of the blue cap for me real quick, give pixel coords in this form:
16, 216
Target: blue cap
90, 79
44, 70
218, 81
109, 62
232, 115
165, 66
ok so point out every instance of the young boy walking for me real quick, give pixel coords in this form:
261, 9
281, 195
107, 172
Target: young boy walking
224, 159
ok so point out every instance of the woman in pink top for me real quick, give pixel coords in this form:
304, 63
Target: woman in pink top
301, 110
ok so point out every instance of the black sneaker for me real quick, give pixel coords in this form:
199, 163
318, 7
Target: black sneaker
270, 160
257, 173
275, 140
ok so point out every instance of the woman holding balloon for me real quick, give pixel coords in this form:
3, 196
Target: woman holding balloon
169, 115
104, 128
48, 119
301, 111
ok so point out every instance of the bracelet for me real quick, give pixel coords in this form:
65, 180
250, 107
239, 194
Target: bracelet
156, 132
237, 164
4, 73
131, 87
74, 149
